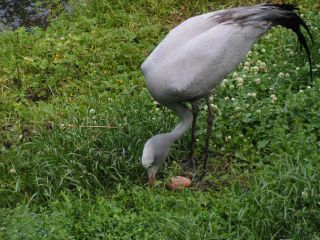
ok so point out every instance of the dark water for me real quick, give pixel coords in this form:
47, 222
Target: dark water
27, 13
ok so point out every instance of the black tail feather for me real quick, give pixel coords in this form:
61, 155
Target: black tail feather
291, 20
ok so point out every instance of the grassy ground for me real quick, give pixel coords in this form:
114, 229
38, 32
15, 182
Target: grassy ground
62, 181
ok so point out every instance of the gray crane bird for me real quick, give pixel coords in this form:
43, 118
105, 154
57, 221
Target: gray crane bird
196, 56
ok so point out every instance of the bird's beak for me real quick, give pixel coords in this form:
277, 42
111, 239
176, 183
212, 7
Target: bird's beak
152, 176
151, 181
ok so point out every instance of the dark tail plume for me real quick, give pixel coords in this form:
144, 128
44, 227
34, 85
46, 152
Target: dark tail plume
286, 16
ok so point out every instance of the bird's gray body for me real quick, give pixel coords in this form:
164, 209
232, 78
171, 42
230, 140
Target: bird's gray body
197, 55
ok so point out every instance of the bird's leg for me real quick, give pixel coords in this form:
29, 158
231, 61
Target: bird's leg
207, 143
195, 111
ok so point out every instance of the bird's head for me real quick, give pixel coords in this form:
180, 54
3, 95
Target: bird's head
154, 153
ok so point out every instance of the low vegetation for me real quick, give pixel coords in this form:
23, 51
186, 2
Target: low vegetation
75, 113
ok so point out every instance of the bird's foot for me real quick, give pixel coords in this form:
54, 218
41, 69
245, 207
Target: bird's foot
189, 166
203, 174
189, 163
197, 178
205, 184
193, 161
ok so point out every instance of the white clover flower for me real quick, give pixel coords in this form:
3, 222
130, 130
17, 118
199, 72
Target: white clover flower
263, 50
253, 94
215, 107
308, 87
273, 98
246, 68
224, 82
274, 65
233, 99
257, 80
297, 68
239, 81
258, 111
305, 194
237, 108
256, 68
227, 98
92, 111
247, 64
287, 75
300, 91
205, 107
263, 65
244, 76
281, 75
211, 98
249, 53
12, 171
235, 75
109, 99
231, 86
227, 138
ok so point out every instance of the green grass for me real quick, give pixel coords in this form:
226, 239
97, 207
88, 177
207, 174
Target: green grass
62, 181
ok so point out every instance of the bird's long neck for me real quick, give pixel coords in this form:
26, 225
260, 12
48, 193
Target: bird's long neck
156, 149
186, 121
